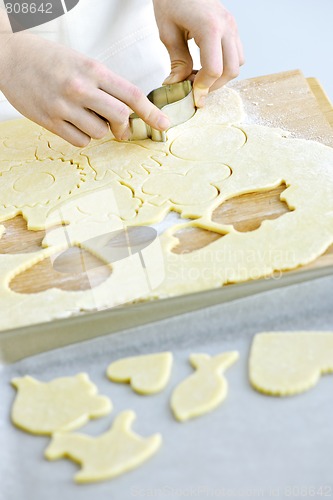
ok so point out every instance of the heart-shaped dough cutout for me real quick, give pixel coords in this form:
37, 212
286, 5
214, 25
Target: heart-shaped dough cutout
287, 363
147, 374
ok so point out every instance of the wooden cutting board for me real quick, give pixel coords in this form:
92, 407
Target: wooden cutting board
287, 100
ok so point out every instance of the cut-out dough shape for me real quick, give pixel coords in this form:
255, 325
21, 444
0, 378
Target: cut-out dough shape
52, 146
287, 363
63, 404
39, 182
205, 389
197, 184
119, 158
147, 374
115, 452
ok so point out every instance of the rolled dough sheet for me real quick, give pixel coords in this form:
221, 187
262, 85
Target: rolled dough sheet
211, 158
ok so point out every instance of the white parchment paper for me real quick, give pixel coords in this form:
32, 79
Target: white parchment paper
252, 446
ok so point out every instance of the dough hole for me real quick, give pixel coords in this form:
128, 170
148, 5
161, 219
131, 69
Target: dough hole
80, 271
17, 239
194, 238
247, 211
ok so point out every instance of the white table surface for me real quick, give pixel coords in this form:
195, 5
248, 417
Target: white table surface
284, 35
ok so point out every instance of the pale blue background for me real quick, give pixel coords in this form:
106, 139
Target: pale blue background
279, 35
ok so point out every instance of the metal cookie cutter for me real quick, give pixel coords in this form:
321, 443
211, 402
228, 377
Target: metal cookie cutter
175, 100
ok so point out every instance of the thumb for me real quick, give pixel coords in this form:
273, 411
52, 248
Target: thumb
180, 57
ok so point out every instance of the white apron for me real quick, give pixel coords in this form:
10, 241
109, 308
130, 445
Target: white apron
122, 34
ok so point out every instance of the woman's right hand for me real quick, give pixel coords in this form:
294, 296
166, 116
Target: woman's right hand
68, 93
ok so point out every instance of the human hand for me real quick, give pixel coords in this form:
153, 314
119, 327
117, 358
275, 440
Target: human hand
215, 32
69, 94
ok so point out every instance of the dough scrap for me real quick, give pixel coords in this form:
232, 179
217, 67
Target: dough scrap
288, 363
147, 374
205, 389
115, 452
65, 404
147, 181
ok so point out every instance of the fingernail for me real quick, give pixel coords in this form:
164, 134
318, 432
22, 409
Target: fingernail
163, 122
170, 79
126, 135
201, 102
200, 97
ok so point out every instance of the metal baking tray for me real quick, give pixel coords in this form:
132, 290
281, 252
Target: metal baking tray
252, 446
18, 343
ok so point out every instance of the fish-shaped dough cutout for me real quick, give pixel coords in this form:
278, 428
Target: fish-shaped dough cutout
205, 389
288, 363
64, 404
115, 452
147, 374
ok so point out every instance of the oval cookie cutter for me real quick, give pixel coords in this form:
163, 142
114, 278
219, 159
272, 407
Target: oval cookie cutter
175, 100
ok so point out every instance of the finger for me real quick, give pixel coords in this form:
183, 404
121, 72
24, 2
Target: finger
230, 63
89, 123
212, 66
193, 75
113, 110
230, 59
131, 96
240, 50
181, 61
70, 133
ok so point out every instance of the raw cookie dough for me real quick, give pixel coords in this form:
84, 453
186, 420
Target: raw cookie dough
147, 374
64, 404
205, 389
214, 156
117, 451
39, 182
287, 363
